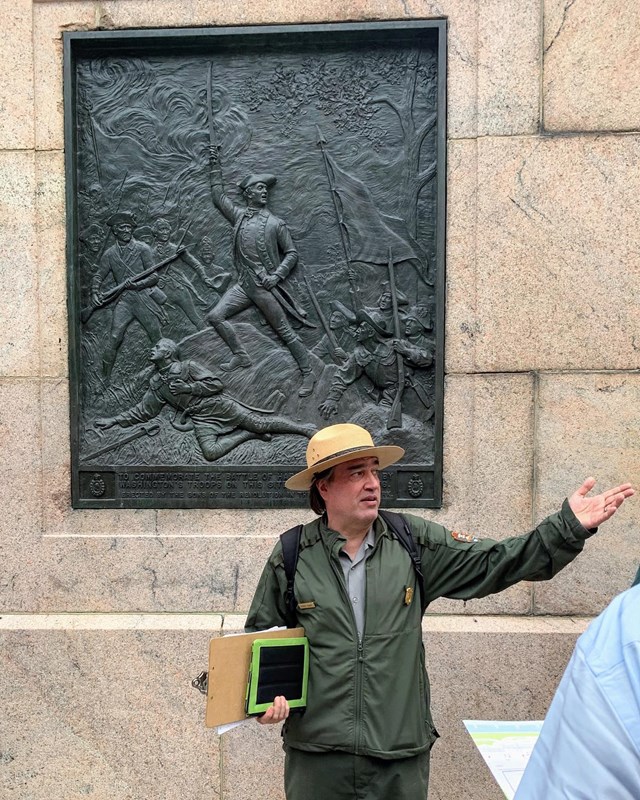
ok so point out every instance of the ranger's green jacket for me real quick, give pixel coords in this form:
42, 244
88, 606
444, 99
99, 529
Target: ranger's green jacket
372, 697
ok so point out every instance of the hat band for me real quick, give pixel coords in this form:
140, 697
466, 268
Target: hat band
343, 453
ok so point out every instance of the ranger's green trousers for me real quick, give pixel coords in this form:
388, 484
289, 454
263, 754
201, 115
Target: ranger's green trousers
344, 776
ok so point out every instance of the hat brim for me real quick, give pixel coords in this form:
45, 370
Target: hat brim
266, 178
364, 316
386, 455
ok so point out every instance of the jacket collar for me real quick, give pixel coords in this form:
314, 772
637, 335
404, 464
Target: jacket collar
335, 540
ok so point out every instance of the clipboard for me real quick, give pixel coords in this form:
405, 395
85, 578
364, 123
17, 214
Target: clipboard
278, 667
229, 660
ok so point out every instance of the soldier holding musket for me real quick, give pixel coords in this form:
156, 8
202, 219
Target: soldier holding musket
141, 300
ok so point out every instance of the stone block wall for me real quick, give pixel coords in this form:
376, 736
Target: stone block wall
105, 616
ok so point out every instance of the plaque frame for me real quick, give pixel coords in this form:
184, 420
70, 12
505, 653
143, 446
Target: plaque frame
104, 485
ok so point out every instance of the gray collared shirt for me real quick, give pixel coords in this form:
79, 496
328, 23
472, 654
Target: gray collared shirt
355, 578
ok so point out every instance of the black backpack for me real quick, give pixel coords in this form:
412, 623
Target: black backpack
290, 541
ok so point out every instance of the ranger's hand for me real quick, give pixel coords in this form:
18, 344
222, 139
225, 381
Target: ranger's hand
278, 712
593, 511
270, 281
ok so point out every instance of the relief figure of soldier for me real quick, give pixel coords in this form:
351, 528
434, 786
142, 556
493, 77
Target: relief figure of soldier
219, 421
141, 300
264, 254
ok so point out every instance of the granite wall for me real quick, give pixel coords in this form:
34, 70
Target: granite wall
105, 616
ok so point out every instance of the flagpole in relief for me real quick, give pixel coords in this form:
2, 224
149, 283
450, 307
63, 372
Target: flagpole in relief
213, 139
321, 144
334, 347
395, 415
95, 147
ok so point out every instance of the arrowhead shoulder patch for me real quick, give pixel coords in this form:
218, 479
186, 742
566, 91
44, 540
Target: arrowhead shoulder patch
469, 538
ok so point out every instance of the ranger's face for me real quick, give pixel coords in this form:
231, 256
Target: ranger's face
352, 494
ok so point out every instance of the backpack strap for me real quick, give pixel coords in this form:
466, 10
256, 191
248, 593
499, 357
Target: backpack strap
400, 527
290, 543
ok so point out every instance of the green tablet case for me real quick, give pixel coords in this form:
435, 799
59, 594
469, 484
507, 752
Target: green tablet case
278, 667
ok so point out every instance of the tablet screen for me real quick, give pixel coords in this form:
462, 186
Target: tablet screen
278, 667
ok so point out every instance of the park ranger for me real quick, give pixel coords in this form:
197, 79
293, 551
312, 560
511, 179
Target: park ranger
367, 728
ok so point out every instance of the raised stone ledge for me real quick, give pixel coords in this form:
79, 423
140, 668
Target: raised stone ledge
234, 623
110, 622
453, 623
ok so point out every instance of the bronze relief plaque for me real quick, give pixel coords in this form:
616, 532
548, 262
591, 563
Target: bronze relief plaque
255, 250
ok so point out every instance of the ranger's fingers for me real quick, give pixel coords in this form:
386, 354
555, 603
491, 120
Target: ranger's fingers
614, 501
621, 492
281, 708
586, 487
278, 712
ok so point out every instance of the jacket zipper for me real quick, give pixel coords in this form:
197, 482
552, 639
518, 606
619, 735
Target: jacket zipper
337, 568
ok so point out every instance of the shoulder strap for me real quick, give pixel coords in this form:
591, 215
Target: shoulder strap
290, 542
400, 527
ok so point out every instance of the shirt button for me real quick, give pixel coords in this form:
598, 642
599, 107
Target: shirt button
355, 599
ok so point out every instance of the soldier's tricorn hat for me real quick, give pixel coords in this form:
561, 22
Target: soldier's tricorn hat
364, 316
264, 177
401, 297
339, 443
122, 218
347, 313
92, 230
422, 315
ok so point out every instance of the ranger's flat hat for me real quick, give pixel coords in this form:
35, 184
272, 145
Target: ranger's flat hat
268, 180
337, 444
